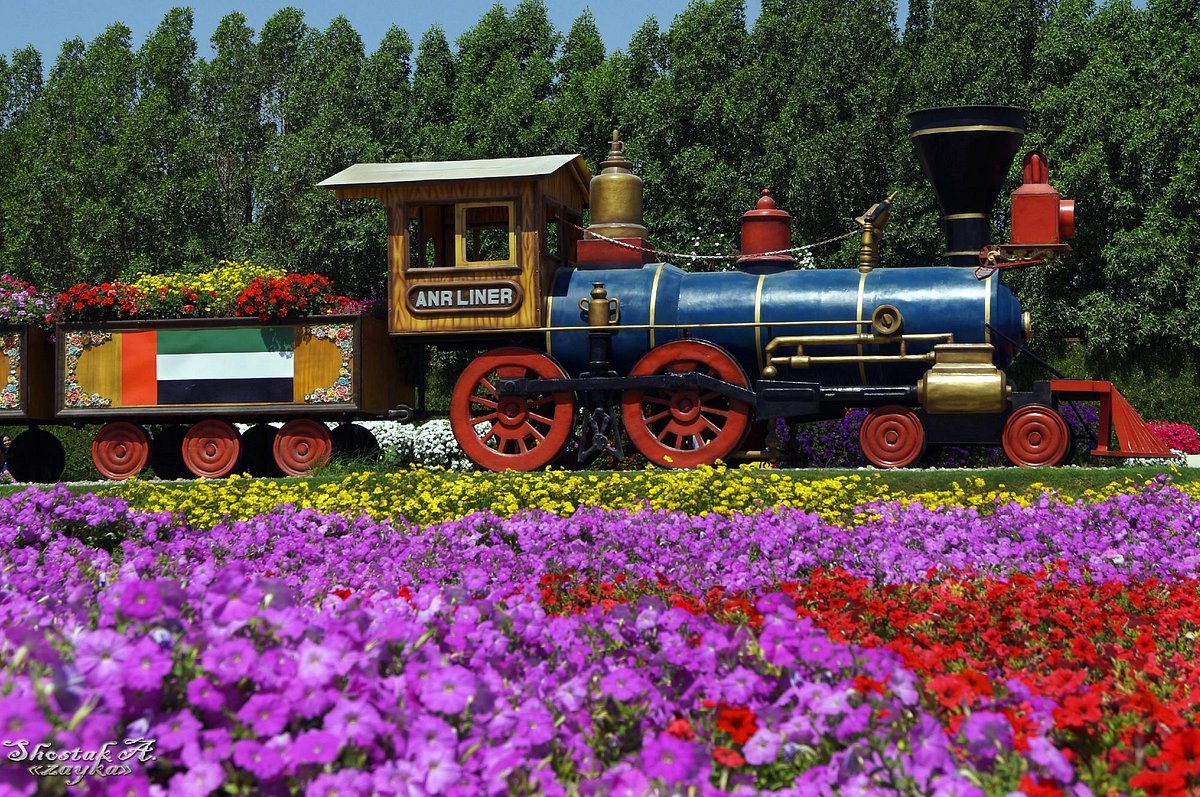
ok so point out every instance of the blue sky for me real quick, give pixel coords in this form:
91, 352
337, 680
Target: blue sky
47, 24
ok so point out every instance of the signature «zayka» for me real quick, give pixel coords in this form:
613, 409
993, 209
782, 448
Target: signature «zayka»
111, 759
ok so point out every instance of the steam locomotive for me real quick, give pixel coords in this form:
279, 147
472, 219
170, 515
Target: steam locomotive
593, 344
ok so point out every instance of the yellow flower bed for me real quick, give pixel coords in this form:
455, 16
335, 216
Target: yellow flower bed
216, 288
429, 496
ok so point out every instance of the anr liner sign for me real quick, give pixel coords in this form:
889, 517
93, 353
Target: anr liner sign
463, 296
111, 759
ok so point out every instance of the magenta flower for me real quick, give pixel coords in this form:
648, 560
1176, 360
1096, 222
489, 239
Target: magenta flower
339, 784
987, 733
177, 731
448, 689
266, 714
316, 747
100, 655
353, 720
623, 684
762, 747
21, 719
146, 666
202, 694
199, 780
535, 725
257, 758
140, 600
316, 663
308, 700
441, 768
673, 760
231, 660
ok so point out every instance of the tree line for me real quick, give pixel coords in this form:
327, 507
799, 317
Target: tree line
127, 158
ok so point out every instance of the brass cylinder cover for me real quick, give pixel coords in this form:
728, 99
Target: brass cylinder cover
615, 196
963, 380
887, 320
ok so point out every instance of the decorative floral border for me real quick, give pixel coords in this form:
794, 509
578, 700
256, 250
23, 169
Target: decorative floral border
76, 344
10, 396
342, 335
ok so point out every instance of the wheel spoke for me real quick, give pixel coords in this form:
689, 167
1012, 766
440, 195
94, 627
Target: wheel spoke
488, 386
535, 433
487, 402
715, 411
540, 418
658, 416
710, 425
650, 398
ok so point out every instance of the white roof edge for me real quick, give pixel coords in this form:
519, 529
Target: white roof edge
437, 171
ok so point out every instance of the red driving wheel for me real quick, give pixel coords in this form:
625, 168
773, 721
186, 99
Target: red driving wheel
892, 437
1036, 436
510, 432
120, 450
686, 428
301, 446
211, 449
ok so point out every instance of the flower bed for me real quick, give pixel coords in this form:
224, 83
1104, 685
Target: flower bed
229, 290
1178, 436
1044, 647
431, 496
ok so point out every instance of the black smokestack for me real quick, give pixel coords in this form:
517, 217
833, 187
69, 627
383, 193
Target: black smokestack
966, 152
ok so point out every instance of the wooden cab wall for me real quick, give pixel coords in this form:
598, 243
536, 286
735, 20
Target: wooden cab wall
473, 245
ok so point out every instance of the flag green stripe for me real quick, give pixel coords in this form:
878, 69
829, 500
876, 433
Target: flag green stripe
213, 341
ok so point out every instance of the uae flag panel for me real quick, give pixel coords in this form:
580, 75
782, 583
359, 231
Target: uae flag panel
207, 365
240, 365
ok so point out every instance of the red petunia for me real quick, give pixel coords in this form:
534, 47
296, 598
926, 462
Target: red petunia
739, 722
728, 758
680, 728
1078, 711
1032, 787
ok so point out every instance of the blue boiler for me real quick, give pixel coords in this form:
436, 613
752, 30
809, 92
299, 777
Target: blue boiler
742, 312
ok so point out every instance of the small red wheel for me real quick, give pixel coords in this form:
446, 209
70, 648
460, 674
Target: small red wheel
301, 446
686, 428
892, 437
211, 449
510, 432
120, 450
1036, 436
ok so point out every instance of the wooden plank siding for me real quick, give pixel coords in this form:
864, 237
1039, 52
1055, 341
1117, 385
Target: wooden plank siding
531, 275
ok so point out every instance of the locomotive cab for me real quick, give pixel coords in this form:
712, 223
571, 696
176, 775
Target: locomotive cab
473, 245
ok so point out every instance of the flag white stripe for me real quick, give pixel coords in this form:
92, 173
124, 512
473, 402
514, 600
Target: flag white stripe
226, 365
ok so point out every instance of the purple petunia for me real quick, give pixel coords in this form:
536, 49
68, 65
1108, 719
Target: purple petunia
987, 733
671, 760
146, 665
258, 758
316, 747
22, 720
266, 714
762, 747
448, 689
140, 600
623, 683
